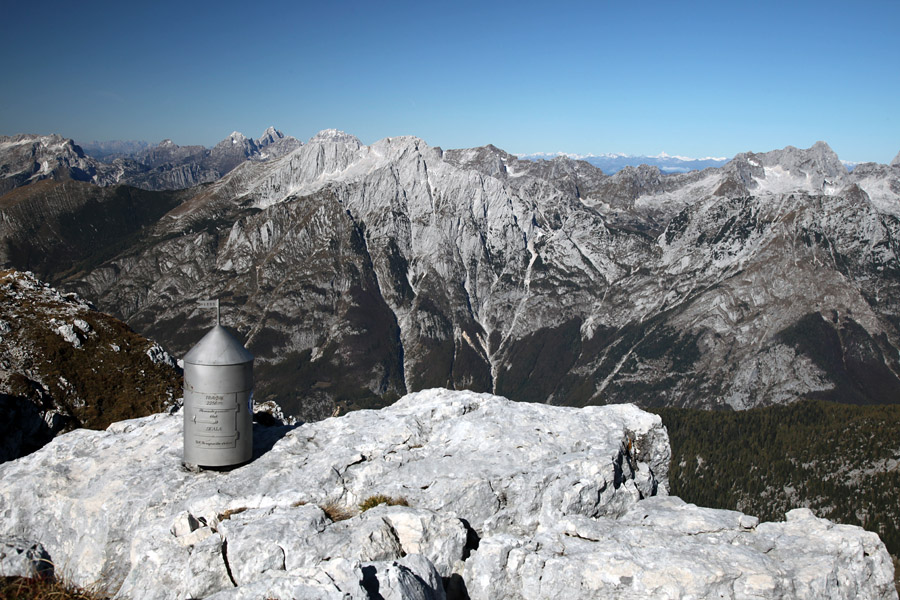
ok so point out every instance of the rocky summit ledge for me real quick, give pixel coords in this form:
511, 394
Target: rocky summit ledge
504, 500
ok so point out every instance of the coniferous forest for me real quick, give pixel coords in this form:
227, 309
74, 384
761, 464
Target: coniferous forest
840, 460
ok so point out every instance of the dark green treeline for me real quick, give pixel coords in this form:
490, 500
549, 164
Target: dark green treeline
842, 461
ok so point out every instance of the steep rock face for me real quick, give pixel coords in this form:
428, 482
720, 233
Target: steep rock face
232, 151
64, 365
274, 143
567, 503
451, 291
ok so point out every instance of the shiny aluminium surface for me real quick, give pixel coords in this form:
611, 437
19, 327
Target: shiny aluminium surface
218, 402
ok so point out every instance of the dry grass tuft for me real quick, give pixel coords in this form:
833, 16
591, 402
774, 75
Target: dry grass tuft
228, 513
373, 501
47, 588
336, 512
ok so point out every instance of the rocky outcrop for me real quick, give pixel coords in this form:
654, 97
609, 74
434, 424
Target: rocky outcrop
27, 158
274, 143
169, 166
664, 548
503, 500
64, 365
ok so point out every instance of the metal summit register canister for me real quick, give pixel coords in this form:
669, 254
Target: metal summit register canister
218, 401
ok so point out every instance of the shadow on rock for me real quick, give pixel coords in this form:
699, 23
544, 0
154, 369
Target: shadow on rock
23, 429
265, 436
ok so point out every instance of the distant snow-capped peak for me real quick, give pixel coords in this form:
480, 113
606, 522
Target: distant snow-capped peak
613, 162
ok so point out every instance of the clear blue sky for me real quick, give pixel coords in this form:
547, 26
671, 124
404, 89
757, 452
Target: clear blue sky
689, 78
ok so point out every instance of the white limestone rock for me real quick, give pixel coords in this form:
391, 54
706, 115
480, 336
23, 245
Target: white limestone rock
22, 558
506, 500
664, 548
118, 505
158, 354
66, 331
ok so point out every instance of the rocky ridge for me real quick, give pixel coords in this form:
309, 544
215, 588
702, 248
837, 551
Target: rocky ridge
64, 365
402, 267
568, 503
357, 273
169, 166
25, 159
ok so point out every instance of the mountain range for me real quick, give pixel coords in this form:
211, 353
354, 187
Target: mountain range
612, 163
167, 166
359, 273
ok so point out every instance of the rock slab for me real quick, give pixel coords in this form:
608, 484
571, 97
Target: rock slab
503, 500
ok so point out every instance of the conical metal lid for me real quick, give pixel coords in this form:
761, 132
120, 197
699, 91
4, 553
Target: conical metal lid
218, 347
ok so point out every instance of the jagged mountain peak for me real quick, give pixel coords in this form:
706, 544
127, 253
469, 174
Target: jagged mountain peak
477, 242
818, 159
642, 171
273, 143
269, 136
896, 161
489, 159
27, 158
335, 135
33, 138
815, 170
236, 138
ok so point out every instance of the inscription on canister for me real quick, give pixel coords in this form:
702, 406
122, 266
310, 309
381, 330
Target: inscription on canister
218, 401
